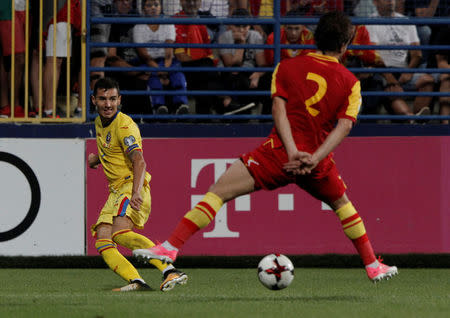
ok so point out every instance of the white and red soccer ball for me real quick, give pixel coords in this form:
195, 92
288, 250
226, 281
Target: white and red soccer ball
275, 271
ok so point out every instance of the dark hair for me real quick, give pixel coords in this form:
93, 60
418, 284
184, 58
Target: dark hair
145, 1
105, 84
333, 31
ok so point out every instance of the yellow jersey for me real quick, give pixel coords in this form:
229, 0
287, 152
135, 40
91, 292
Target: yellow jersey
114, 143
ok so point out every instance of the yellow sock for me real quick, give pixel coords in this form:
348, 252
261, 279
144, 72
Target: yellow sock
352, 224
133, 241
116, 261
205, 211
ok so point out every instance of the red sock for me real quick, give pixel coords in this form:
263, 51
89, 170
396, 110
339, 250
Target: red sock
364, 248
184, 230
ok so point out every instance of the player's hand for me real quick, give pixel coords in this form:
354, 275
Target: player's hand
308, 166
93, 160
136, 201
299, 163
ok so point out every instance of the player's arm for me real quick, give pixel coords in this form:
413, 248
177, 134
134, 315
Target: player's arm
139, 166
415, 56
93, 160
284, 131
335, 137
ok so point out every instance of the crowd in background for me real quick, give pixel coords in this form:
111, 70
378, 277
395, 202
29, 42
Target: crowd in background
247, 58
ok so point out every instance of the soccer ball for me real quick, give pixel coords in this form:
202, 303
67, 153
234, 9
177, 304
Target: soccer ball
275, 271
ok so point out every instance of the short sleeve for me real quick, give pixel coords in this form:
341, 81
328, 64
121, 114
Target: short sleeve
170, 32
130, 137
353, 104
139, 33
279, 85
226, 38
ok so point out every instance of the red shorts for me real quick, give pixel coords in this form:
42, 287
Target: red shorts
19, 31
265, 164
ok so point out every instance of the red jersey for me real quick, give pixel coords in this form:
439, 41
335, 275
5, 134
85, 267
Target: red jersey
318, 91
195, 34
362, 37
306, 37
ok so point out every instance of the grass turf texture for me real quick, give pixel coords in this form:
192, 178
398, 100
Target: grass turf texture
225, 293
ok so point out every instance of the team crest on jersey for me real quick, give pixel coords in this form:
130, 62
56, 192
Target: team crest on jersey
108, 137
128, 141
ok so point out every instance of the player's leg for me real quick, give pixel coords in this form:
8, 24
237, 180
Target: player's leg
354, 229
124, 235
235, 181
116, 261
132, 240
330, 188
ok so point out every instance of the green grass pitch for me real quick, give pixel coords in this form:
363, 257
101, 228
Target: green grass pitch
230, 293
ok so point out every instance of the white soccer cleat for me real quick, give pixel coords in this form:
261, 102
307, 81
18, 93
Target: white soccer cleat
172, 278
134, 285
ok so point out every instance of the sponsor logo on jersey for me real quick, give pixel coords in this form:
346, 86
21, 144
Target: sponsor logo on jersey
251, 160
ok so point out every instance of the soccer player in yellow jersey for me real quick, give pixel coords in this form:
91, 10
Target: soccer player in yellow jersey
119, 147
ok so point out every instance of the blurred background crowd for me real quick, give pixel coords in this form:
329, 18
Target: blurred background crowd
55, 35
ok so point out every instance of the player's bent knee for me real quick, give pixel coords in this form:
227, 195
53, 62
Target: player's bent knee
339, 203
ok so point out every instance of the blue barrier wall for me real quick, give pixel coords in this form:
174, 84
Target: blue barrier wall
171, 130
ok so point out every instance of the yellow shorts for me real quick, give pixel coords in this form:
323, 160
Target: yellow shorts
118, 205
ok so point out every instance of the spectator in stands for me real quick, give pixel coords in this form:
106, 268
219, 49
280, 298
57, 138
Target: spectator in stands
421, 9
290, 34
214, 9
242, 57
100, 32
170, 7
197, 57
127, 57
50, 78
35, 77
365, 58
364, 8
19, 53
443, 61
424, 9
160, 57
398, 82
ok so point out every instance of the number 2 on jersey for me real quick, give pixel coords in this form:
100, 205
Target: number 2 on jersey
322, 83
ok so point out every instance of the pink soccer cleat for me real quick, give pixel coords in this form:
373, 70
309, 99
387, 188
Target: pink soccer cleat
381, 272
156, 252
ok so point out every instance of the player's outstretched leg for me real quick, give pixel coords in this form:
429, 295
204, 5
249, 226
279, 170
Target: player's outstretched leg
199, 217
353, 227
134, 241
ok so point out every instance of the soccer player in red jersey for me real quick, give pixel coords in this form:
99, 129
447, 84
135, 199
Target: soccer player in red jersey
315, 104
